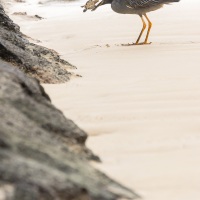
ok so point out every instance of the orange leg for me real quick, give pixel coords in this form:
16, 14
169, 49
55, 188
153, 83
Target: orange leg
143, 28
149, 28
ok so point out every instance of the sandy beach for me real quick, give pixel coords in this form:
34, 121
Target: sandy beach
139, 104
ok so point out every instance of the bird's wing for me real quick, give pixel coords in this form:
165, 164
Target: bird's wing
142, 3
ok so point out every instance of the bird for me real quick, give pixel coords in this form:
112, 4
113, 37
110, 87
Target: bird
139, 7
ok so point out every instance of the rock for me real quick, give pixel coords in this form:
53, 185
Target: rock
20, 1
20, 13
39, 62
7, 23
50, 1
24, 14
38, 17
42, 154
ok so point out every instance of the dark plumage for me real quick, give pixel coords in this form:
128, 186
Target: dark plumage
139, 7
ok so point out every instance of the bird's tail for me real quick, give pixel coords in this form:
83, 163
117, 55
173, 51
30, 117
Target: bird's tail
170, 1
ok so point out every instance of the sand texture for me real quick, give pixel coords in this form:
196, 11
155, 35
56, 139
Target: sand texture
140, 104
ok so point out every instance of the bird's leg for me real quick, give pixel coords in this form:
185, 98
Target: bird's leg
149, 28
143, 28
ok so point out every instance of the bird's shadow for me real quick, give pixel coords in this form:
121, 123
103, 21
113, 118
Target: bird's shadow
135, 44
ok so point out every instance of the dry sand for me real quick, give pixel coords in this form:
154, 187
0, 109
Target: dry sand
140, 104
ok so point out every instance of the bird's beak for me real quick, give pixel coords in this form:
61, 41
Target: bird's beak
100, 4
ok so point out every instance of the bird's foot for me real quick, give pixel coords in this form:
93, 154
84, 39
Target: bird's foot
142, 43
134, 44
147, 43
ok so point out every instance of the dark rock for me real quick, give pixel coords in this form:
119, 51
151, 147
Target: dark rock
50, 1
38, 17
24, 14
20, 1
42, 154
20, 13
39, 62
6, 22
